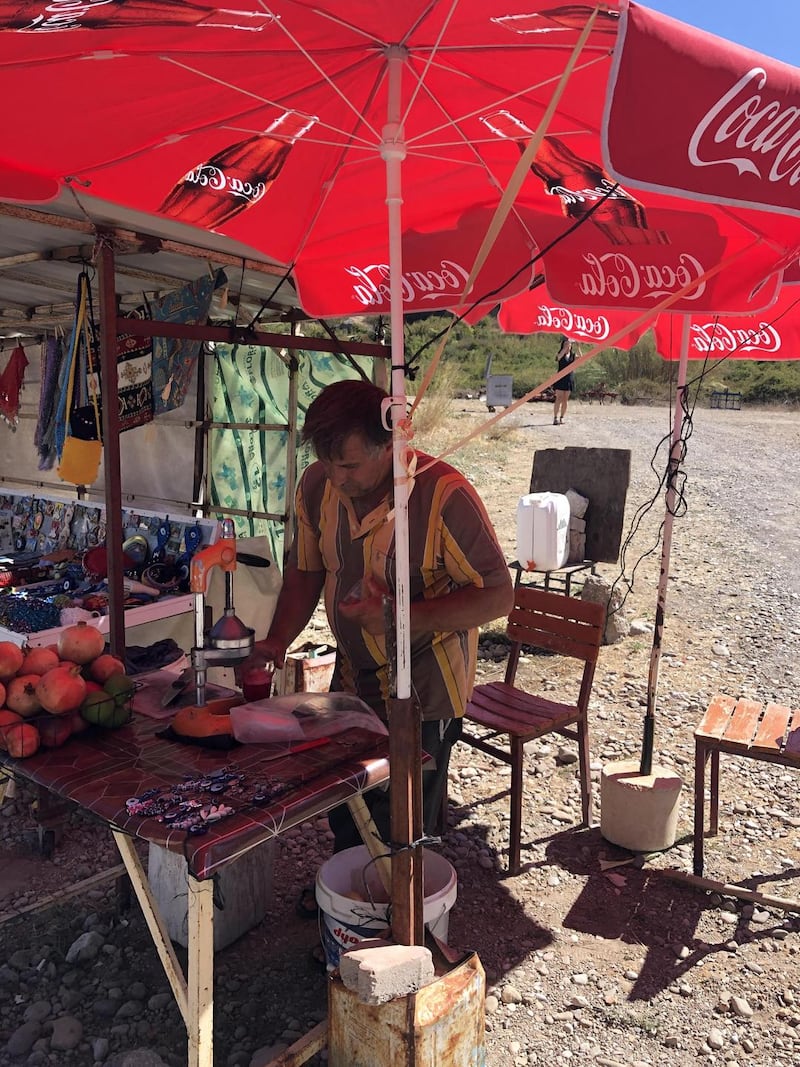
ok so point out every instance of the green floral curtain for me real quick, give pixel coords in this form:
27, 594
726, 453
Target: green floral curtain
247, 468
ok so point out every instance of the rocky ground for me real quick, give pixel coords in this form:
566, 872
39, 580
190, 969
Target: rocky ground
592, 954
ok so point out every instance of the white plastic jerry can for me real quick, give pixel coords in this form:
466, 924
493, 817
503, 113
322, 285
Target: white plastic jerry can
542, 531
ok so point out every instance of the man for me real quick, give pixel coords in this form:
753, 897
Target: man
344, 546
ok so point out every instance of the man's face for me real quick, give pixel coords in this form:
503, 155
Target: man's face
360, 468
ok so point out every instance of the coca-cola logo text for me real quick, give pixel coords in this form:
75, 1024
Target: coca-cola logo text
211, 177
62, 15
717, 337
766, 132
371, 283
72, 15
604, 190
576, 324
615, 276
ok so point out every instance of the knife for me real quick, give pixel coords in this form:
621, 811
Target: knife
174, 689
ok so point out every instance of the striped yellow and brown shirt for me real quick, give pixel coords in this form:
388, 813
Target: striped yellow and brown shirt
452, 544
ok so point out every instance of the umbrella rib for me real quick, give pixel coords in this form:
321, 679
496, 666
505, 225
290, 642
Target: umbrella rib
266, 100
420, 80
360, 115
507, 98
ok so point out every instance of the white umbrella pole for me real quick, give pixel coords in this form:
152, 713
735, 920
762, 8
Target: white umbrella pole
393, 150
675, 458
405, 752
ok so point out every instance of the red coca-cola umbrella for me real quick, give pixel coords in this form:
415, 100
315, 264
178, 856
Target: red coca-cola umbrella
536, 311
341, 137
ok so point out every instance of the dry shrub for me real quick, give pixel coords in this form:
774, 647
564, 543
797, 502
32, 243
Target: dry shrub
503, 433
436, 406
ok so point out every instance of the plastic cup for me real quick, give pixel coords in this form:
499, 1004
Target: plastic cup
257, 682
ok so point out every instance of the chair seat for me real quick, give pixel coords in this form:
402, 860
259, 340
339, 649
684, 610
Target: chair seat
506, 709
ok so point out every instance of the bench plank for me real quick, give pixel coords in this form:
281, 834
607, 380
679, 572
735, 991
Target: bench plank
716, 717
743, 724
772, 729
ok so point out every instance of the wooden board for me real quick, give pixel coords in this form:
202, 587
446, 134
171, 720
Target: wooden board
772, 729
744, 721
716, 718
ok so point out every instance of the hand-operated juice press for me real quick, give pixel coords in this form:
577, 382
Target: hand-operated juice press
228, 641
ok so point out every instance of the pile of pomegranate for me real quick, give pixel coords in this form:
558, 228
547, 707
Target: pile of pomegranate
48, 694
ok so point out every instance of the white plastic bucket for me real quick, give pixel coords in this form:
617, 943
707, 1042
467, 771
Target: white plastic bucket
353, 903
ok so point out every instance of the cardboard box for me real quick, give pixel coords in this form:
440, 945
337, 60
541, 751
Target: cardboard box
307, 670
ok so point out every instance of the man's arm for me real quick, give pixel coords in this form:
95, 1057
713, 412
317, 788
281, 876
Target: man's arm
463, 609
297, 599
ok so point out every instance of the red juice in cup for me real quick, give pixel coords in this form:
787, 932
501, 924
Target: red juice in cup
257, 682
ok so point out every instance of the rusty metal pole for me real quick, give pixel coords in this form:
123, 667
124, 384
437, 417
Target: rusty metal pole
405, 759
111, 453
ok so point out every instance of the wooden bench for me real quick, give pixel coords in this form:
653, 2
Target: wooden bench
767, 732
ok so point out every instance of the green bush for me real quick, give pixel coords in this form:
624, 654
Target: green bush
530, 360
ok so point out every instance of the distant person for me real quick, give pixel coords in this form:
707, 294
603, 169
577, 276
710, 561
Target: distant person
564, 386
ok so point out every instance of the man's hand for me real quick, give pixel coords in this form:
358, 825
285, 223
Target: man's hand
368, 611
268, 650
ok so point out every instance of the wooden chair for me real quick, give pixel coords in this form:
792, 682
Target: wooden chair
561, 624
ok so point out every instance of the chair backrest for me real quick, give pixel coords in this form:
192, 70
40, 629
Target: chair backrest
561, 624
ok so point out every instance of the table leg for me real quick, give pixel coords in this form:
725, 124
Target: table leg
155, 924
200, 1023
700, 757
714, 825
369, 835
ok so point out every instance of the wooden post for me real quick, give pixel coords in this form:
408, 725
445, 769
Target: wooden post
405, 760
113, 485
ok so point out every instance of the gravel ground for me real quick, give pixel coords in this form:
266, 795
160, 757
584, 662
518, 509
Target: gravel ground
618, 966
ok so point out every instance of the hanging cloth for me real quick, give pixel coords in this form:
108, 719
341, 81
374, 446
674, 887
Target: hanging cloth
11, 382
175, 359
44, 438
67, 377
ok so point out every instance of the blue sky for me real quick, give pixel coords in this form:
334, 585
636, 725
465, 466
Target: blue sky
769, 26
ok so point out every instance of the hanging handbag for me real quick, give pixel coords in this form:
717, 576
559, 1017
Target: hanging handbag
82, 449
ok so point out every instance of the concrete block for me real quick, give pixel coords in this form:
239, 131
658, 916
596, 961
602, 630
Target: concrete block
379, 971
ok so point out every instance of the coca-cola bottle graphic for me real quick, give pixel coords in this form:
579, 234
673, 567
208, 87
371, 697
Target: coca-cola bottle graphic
581, 185
236, 177
48, 16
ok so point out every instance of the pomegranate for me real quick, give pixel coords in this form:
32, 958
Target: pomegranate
77, 722
101, 669
54, 730
21, 696
22, 740
7, 718
2, 695
11, 657
39, 661
80, 643
61, 690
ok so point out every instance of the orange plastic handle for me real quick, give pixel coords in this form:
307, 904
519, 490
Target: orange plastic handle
222, 554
